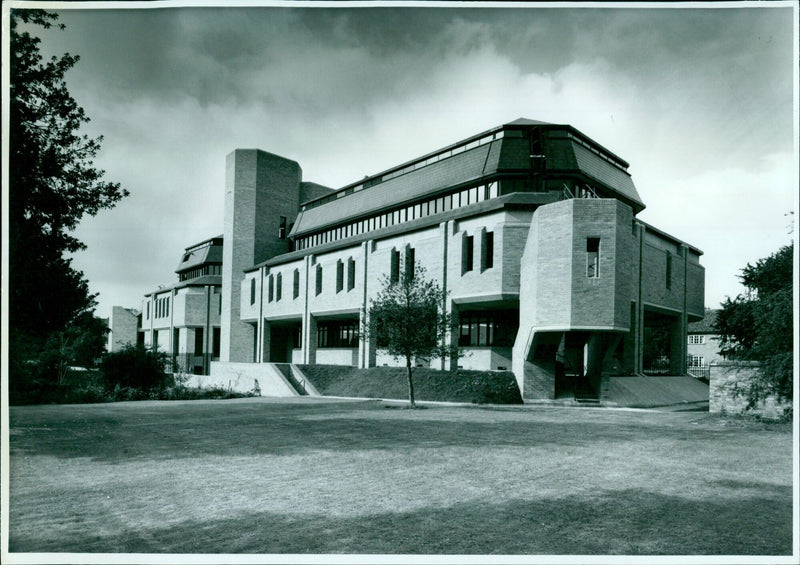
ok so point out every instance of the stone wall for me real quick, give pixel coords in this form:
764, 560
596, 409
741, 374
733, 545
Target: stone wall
728, 386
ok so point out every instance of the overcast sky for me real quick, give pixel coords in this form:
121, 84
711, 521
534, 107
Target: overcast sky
699, 101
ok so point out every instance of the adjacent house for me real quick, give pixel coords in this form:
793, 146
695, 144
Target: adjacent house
703, 345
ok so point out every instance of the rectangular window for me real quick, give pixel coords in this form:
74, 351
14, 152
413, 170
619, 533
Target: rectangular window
278, 285
282, 228
217, 340
669, 271
296, 284
394, 268
467, 250
148, 310
351, 274
318, 288
493, 328
337, 333
488, 252
409, 259
339, 276
696, 361
198, 341
697, 339
592, 257
252, 291
270, 288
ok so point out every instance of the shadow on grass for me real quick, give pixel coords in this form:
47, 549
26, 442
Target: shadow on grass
621, 522
106, 434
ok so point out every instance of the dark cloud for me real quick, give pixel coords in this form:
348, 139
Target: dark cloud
680, 93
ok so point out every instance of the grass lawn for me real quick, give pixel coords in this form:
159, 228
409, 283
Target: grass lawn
264, 475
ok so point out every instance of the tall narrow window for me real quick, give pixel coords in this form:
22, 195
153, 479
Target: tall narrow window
488, 250
252, 291
318, 288
339, 275
592, 257
198, 341
296, 284
351, 274
270, 288
467, 251
409, 266
278, 286
282, 228
669, 270
216, 342
394, 272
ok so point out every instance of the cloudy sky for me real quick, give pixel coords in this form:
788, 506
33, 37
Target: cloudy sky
699, 101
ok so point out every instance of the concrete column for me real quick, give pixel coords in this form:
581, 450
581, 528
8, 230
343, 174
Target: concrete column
677, 346
265, 354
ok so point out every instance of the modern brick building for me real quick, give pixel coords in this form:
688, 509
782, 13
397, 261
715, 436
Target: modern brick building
183, 319
530, 227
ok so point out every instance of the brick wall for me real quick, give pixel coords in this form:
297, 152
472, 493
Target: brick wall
728, 386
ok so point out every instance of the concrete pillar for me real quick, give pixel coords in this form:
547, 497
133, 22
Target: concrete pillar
677, 346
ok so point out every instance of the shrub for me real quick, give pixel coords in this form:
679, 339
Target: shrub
134, 367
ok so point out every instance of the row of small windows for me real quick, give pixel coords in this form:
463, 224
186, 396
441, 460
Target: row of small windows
695, 339
488, 328
404, 262
421, 210
161, 307
275, 281
468, 252
205, 270
410, 168
337, 333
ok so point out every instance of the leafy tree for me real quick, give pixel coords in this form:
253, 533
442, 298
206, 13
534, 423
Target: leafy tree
135, 367
758, 325
52, 185
407, 320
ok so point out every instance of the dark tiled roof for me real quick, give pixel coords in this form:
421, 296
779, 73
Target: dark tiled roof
205, 280
460, 168
706, 325
205, 255
566, 149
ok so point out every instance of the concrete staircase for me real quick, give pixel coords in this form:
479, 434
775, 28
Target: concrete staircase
296, 379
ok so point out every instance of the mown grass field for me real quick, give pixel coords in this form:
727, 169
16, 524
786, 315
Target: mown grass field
320, 476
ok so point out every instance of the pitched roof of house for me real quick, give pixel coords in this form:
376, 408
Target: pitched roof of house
706, 325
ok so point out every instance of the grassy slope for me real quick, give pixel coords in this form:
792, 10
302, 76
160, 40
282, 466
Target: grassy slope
317, 476
479, 387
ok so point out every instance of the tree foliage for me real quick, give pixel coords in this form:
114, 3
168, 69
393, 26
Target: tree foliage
407, 320
52, 185
758, 325
135, 367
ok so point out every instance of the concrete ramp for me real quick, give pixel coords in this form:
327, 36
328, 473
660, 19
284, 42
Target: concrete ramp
646, 392
246, 377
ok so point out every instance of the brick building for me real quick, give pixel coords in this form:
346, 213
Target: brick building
183, 318
530, 227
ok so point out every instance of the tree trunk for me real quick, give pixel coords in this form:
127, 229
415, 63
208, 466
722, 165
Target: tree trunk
410, 385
